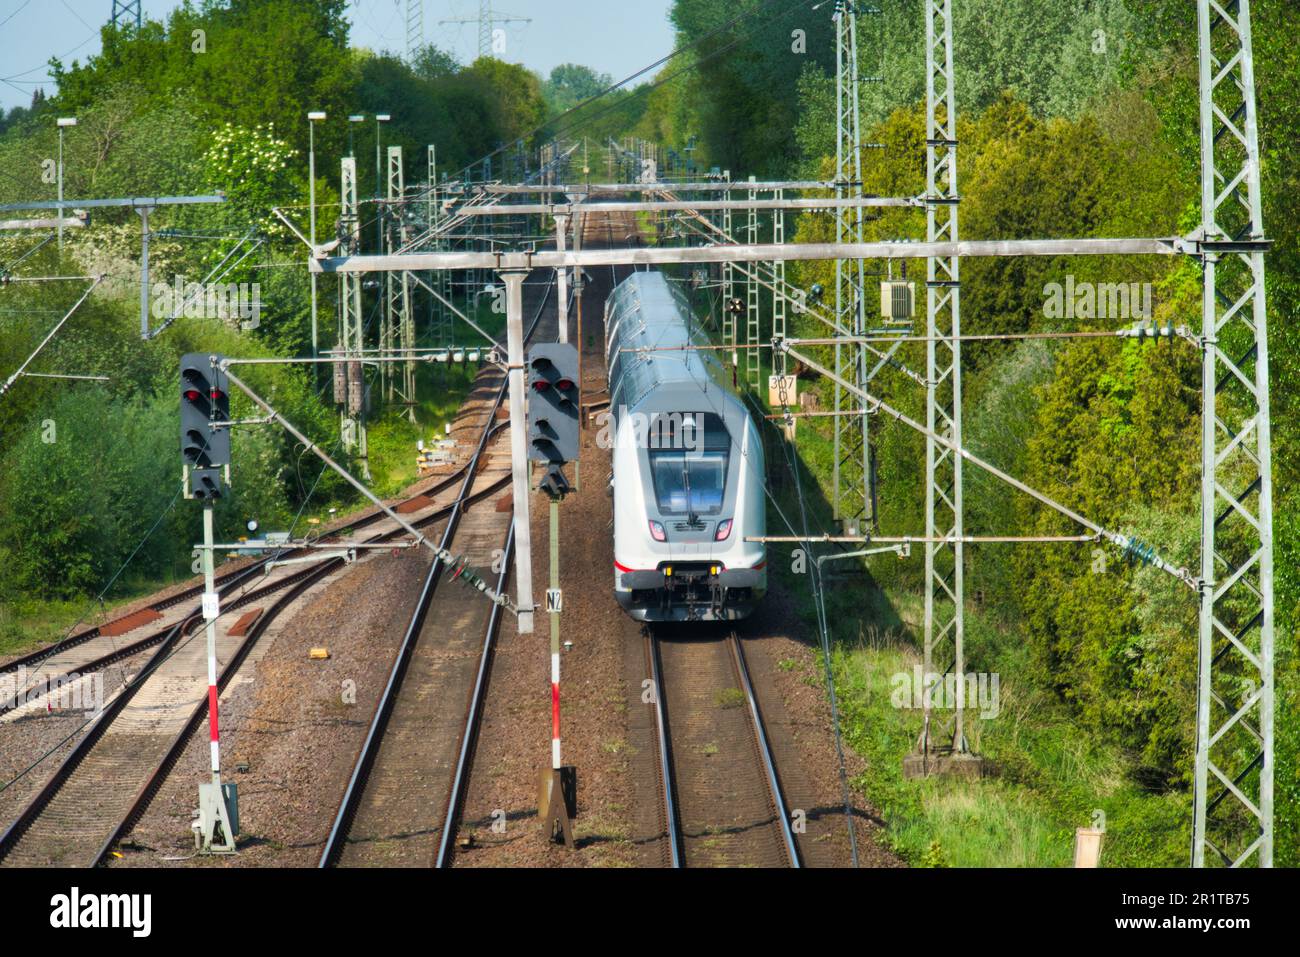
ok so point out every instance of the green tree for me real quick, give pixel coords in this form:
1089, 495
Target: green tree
514, 95
743, 88
570, 84
250, 62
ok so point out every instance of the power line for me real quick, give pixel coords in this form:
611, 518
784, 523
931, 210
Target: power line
21, 8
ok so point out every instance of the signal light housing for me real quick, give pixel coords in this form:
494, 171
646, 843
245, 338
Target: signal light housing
553, 429
555, 484
206, 484
205, 449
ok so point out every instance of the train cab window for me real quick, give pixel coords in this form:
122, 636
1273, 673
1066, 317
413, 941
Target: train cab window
689, 481
689, 455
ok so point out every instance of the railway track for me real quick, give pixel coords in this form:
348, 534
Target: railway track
389, 814
405, 794
74, 819
403, 800
108, 779
93, 650
723, 805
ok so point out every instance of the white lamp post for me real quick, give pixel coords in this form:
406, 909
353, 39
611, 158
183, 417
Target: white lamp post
312, 118
379, 180
63, 122
354, 118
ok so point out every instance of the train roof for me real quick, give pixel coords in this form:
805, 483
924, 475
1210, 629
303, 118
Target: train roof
647, 324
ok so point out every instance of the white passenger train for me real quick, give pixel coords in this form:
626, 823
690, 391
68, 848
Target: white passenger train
688, 465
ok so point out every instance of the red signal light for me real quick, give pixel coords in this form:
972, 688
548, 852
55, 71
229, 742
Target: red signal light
193, 395
217, 395
564, 385
541, 385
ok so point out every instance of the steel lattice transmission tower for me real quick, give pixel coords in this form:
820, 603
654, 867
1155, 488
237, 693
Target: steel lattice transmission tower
441, 323
487, 18
349, 377
1234, 727
779, 303
728, 277
752, 324
852, 499
126, 11
399, 321
414, 28
944, 571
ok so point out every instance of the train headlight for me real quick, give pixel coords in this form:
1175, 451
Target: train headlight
657, 532
724, 530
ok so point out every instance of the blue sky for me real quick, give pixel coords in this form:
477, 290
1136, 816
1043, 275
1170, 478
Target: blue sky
611, 36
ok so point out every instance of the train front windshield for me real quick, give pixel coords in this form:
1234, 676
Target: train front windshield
689, 482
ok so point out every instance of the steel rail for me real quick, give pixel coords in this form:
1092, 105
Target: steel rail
469, 737
155, 780
765, 751
299, 581
667, 775
36, 806
388, 699
169, 640
666, 779
280, 584
352, 796
224, 583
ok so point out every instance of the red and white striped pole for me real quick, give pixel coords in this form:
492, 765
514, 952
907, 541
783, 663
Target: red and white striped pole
555, 638
555, 709
211, 610
212, 705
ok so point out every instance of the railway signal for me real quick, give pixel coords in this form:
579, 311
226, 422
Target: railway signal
205, 457
553, 438
553, 434
205, 435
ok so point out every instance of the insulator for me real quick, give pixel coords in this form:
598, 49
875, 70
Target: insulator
1138, 551
356, 388
340, 383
